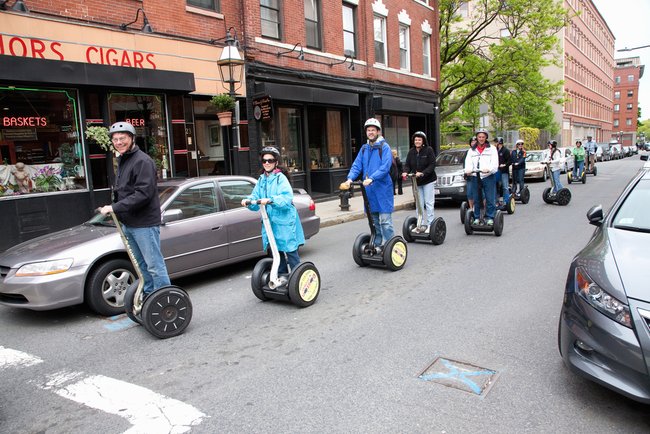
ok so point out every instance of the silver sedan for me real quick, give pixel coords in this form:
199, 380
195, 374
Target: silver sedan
203, 226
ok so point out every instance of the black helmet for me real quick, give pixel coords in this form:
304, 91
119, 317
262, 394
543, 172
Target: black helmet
421, 135
499, 140
270, 150
553, 143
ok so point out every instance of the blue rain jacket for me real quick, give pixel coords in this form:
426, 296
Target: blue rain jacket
370, 165
285, 221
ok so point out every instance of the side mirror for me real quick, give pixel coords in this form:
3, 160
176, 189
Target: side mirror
644, 157
171, 215
595, 215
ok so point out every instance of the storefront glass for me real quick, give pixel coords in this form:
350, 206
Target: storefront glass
210, 145
285, 133
326, 139
395, 130
39, 141
147, 114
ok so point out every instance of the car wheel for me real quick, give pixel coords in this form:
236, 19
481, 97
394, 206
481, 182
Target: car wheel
544, 176
107, 285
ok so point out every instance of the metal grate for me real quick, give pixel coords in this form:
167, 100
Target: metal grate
460, 375
444, 180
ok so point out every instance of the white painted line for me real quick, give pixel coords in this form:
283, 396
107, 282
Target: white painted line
147, 411
15, 358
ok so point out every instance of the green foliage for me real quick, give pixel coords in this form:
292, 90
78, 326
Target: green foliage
529, 136
223, 102
475, 61
100, 136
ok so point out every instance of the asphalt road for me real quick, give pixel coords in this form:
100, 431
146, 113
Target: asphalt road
349, 363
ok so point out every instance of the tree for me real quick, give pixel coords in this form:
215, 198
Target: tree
473, 60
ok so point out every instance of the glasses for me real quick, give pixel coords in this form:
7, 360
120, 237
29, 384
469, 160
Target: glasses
119, 139
269, 160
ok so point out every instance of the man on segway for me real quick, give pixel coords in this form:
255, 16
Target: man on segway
579, 160
590, 153
421, 160
481, 165
503, 183
373, 163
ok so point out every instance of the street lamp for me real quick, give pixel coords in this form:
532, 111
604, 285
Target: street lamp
231, 68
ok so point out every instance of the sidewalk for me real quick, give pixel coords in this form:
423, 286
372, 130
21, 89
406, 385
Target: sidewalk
330, 213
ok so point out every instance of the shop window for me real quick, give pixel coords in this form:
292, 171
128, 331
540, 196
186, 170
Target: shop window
270, 18
39, 141
349, 30
146, 113
289, 135
395, 130
380, 39
326, 139
312, 24
210, 149
212, 5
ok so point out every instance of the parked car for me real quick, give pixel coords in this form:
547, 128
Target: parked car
615, 150
566, 160
451, 183
634, 149
203, 226
627, 150
602, 152
604, 329
646, 146
534, 166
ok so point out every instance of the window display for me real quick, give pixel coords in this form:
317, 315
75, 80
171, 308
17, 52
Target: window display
326, 139
39, 141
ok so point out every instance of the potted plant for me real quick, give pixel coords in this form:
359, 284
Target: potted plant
100, 136
224, 104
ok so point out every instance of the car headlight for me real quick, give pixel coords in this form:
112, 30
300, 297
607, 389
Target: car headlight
45, 268
458, 179
601, 300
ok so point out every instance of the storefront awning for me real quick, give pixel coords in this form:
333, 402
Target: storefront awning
407, 105
62, 73
307, 94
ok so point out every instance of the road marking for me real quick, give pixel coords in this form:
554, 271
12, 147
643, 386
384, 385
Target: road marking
11, 358
147, 411
119, 322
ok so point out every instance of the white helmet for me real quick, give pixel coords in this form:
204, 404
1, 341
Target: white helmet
372, 122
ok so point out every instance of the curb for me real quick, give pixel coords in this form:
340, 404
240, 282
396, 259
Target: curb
357, 215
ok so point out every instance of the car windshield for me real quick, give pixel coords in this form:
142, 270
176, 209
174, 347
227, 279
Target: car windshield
451, 158
634, 213
535, 156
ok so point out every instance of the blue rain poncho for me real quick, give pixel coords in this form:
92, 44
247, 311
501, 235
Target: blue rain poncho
370, 165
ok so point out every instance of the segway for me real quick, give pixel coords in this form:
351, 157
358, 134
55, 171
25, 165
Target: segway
590, 166
583, 174
507, 203
301, 287
392, 255
522, 195
562, 197
411, 229
482, 226
164, 313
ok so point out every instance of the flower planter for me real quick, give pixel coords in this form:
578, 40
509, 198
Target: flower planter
225, 118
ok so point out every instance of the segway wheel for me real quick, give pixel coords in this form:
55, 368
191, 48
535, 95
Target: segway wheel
469, 216
260, 277
511, 205
463, 210
409, 224
595, 170
545, 195
304, 285
395, 253
167, 312
564, 196
569, 177
498, 223
525, 195
438, 231
360, 244
584, 178
129, 303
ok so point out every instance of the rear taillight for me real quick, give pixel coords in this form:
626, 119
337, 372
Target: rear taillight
312, 205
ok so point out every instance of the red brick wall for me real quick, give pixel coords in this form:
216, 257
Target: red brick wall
624, 100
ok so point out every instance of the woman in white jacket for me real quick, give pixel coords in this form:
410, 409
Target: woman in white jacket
555, 165
485, 159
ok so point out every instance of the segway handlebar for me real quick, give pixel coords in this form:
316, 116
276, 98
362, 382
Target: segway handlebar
257, 201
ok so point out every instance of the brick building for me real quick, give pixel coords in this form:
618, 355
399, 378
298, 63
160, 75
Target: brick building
309, 85
627, 74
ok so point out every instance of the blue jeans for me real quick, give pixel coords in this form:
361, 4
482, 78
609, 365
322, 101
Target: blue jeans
556, 177
145, 244
383, 222
292, 258
577, 169
471, 187
518, 175
427, 195
505, 186
488, 186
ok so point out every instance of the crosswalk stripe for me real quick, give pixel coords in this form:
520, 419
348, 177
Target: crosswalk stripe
15, 358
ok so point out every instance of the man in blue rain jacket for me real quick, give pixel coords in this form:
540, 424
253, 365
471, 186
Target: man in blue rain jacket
373, 164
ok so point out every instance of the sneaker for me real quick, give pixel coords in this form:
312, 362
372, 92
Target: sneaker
490, 222
416, 230
476, 222
379, 250
426, 230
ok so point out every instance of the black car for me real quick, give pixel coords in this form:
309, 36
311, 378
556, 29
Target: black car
604, 330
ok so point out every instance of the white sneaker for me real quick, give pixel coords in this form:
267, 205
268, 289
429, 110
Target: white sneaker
426, 231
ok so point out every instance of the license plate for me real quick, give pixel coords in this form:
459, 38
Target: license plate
436, 191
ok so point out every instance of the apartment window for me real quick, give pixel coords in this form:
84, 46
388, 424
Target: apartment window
630, 78
617, 107
617, 80
630, 93
426, 55
404, 49
349, 31
380, 39
629, 106
628, 122
616, 122
270, 18
212, 5
617, 95
312, 25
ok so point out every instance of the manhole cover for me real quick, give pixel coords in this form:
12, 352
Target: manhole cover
460, 375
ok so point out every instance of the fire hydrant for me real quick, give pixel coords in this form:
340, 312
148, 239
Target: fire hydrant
345, 199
